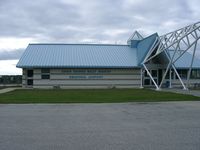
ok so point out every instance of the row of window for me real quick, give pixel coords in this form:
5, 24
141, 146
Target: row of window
183, 73
195, 74
45, 73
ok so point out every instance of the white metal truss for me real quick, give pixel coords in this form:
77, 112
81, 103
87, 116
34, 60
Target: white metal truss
135, 36
174, 45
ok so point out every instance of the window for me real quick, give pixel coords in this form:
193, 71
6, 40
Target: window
1, 80
29, 82
154, 73
155, 81
45, 73
195, 74
146, 74
167, 75
147, 82
30, 73
182, 73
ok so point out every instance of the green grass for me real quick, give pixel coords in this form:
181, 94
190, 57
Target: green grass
91, 96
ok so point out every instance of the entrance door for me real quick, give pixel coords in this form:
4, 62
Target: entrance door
159, 75
147, 79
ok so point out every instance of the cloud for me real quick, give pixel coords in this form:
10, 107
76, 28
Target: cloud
8, 67
68, 21
90, 21
11, 54
12, 43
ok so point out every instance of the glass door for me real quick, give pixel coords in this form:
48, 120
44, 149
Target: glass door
147, 80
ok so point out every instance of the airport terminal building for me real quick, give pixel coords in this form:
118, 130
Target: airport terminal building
105, 65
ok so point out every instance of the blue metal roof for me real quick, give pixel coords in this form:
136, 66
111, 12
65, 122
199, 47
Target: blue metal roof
93, 55
185, 60
144, 46
78, 56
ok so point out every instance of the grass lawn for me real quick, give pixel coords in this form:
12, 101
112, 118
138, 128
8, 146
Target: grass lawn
91, 96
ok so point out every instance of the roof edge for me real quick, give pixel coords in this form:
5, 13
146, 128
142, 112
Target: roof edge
77, 44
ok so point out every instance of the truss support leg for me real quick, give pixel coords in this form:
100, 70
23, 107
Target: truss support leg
170, 78
163, 78
179, 78
157, 88
190, 69
169, 65
141, 78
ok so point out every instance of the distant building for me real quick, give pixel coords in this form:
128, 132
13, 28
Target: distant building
101, 65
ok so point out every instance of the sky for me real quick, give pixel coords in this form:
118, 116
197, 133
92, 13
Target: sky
85, 21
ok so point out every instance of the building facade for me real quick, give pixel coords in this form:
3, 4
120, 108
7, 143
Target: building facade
102, 65
81, 78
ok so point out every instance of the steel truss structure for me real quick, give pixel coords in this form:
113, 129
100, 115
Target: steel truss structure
174, 45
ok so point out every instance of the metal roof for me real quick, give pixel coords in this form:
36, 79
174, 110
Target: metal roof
93, 55
78, 56
185, 60
144, 47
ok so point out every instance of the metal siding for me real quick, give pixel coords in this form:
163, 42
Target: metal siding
78, 56
104, 77
85, 82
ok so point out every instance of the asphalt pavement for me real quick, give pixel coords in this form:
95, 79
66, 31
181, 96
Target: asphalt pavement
126, 126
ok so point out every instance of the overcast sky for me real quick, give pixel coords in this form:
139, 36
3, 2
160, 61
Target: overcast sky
86, 21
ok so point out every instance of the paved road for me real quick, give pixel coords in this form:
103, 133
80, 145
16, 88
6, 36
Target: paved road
139, 126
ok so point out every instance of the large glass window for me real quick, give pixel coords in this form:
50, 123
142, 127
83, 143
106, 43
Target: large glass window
146, 74
182, 73
154, 73
147, 82
195, 74
168, 74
